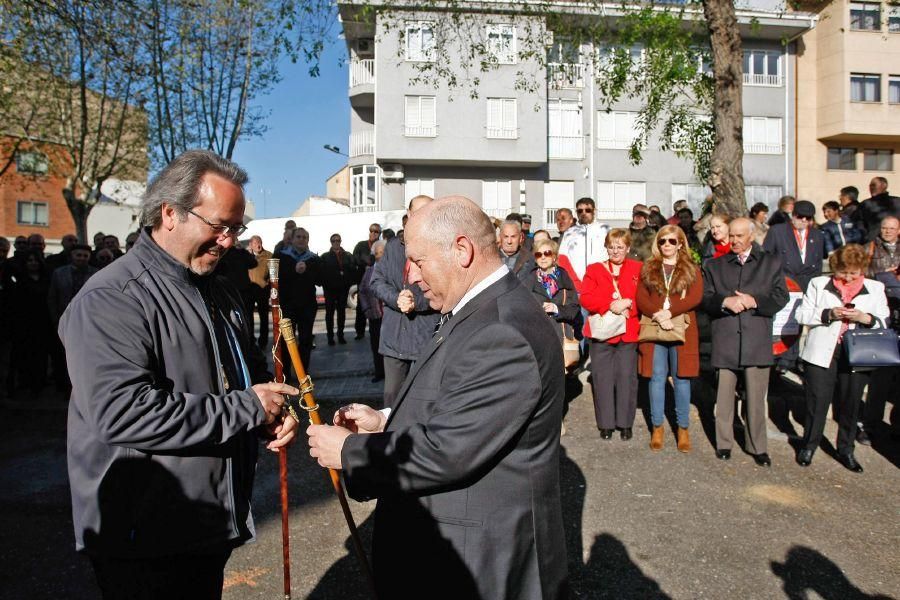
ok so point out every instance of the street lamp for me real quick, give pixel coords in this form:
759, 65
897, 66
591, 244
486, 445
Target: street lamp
334, 149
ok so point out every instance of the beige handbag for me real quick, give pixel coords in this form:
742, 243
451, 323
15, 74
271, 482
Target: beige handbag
609, 324
652, 332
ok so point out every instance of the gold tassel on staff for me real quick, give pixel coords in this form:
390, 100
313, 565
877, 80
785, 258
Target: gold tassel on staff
308, 404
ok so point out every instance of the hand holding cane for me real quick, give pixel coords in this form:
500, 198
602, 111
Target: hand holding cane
308, 404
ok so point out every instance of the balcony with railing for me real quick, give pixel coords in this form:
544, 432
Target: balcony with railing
502, 133
565, 75
362, 143
426, 131
763, 80
362, 71
569, 147
760, 148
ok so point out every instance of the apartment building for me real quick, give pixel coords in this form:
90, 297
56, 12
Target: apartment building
537, 151
848, 74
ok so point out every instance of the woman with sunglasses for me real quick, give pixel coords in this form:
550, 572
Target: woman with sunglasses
611, 287
553, 287
670, 286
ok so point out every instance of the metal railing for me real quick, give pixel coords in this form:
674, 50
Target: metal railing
362, 71
566, 75
765, 80
501, 133
762, 148
420, 131
362, 143
566, 146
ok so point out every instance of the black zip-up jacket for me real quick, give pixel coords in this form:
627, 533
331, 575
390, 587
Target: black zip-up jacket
161, 458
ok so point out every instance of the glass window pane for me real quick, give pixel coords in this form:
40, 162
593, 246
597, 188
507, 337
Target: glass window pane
759, 63
747, 61
772, 60
40, 213
894, 91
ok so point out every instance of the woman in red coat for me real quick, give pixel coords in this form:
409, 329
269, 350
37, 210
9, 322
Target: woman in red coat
611, 286
671, 285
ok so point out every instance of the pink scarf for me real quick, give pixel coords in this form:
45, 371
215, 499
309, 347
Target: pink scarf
848, 291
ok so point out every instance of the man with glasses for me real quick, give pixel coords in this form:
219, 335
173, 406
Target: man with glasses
168, 405
583, 243
362, 253
800, 245
339, 272
872, 211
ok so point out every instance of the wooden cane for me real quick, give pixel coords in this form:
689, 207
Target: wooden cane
275, 304
309, 405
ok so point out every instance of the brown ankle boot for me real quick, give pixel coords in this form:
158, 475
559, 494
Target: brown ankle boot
684, 440
656, 438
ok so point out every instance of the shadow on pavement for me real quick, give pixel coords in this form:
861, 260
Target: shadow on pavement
805, 570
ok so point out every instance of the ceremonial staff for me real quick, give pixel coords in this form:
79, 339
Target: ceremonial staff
308, 404
275, 304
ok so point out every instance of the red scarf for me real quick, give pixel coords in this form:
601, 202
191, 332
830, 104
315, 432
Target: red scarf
721, 248
848, 291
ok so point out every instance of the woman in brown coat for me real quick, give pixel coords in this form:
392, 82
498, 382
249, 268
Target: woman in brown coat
671, 285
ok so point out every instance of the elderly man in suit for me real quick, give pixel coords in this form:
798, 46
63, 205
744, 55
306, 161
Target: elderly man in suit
465, 467
800, 246
742, 291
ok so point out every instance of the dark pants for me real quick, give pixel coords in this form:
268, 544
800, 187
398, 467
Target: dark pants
374, 339
360, 324
615, 384
820, 389
191, 577
335, 300
304, 319
395, 371
257, 301
882, 386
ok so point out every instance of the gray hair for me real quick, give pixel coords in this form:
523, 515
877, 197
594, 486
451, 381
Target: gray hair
177, 184
513, 222
378, 244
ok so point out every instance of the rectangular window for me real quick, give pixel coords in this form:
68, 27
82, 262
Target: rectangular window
502, 119
364, 188
496, 198
694, 193
564, 129
762, 135
607, 56
767, 194
557, 194
620, 196
32, 163
615, 129
894, 89
33, 213
501, 43
417, 187
419, 41
842, 159
420, 116
762, 67
865, 88
878, 160
865, 16
894, 20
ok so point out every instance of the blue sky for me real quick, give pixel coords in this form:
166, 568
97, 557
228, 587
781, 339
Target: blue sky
287, 163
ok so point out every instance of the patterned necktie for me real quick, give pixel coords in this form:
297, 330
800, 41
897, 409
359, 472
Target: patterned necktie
444, 318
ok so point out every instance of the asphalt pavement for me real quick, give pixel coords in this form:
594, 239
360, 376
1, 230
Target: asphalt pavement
639, 524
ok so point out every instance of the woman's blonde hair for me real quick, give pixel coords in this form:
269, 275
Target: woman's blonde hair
620, 234
554, 247
851, 256
685, 270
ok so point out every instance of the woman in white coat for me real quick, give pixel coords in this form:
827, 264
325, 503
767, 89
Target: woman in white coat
832, 305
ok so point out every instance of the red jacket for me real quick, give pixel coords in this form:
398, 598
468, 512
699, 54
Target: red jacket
597, 294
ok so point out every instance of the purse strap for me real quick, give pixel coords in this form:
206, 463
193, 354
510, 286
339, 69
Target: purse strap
563, 325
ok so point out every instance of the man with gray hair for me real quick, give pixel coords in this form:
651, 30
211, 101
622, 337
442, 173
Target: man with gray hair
512, 251
466, 465
168, 405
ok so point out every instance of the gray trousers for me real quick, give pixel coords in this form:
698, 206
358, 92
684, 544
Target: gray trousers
615, 384
756, 383
395, 371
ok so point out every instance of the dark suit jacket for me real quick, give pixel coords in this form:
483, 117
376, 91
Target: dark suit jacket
781, 241
467, 470
743, 339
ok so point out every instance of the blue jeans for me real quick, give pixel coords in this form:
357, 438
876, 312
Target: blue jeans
665, 363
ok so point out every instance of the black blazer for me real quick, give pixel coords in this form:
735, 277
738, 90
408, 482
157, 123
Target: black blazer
781, 241
467, 470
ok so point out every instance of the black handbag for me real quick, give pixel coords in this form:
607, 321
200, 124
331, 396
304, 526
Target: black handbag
872, 348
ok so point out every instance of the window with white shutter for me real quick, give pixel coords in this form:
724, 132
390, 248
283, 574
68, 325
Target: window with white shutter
762, 135
564, 129
419, 41
420, 116
615, 129
501, 43
502, 118
620, 196
417, 187
496, 198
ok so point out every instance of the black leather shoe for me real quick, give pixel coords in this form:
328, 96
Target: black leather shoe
849, 462
331, 341
862, 437
626, 433
606, 434
341, 340
804, 457
359, 336
763, 460
723, 454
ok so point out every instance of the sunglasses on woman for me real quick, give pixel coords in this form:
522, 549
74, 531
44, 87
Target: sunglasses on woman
664, 241
545, 254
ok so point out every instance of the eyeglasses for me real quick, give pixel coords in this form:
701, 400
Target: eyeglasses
804, 218
545, 254
221, 229
664, 241
587, 210
374, 231
336, 241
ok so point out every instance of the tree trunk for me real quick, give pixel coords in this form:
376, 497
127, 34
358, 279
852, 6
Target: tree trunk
79, 209
726, 164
